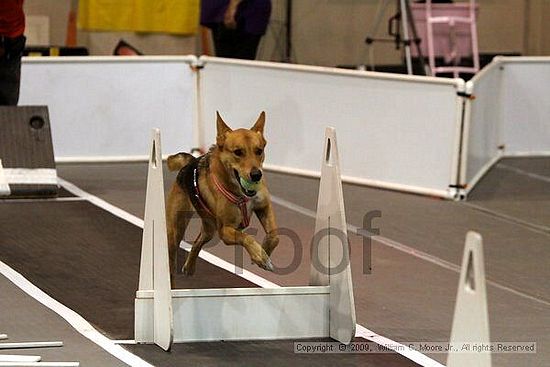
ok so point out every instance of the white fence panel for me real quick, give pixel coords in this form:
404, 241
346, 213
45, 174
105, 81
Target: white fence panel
104, 108
482, 135
398, 132
526, 106
509, 115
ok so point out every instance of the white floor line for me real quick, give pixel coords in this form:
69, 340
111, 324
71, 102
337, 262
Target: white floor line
361, 331
74, 319
413, 355
524, 173
409, 250
386, 241
101, 203
232, 268
508, 218
517, 293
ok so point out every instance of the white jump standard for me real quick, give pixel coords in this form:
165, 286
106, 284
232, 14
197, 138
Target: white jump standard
323, 309
471, 317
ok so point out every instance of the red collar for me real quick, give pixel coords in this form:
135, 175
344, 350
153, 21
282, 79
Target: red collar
240, 201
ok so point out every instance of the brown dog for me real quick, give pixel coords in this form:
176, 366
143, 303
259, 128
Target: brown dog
224, 187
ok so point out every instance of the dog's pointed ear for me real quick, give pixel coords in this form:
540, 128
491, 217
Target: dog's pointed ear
260, 123
222, 128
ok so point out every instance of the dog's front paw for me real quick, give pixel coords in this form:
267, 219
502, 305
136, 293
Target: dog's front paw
268, 265
263, 261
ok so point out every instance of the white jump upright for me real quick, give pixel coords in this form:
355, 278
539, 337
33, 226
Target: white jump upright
332, 248
471, 319
4, 186
319, 310
154, 269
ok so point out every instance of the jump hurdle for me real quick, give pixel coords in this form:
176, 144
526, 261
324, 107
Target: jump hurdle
325, 308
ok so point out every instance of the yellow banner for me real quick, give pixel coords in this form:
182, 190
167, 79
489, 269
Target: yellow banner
164, 16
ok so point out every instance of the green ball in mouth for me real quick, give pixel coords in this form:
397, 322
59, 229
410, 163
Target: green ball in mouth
249, 185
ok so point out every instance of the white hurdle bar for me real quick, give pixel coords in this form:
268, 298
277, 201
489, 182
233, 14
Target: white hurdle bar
12, 360
19, 358
323, 309
27, 345
39, 364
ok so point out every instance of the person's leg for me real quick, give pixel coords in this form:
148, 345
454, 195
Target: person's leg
246, 45
10, 71
224, 41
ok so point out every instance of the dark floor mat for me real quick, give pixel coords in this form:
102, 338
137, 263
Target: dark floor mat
87, 259
261, 353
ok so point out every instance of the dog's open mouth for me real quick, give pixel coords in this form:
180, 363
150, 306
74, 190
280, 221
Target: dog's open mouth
247, 187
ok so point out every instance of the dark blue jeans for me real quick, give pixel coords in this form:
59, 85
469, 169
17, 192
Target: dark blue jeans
11, 50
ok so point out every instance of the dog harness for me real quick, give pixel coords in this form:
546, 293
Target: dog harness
197, 192
189, 179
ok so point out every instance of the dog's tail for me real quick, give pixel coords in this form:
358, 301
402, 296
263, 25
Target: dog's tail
178, 161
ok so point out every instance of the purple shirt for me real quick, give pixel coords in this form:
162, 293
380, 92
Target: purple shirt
252, 15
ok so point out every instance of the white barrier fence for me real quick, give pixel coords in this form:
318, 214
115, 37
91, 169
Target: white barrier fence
509, 115
525, 106
481, 135
397, 132
103, 108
